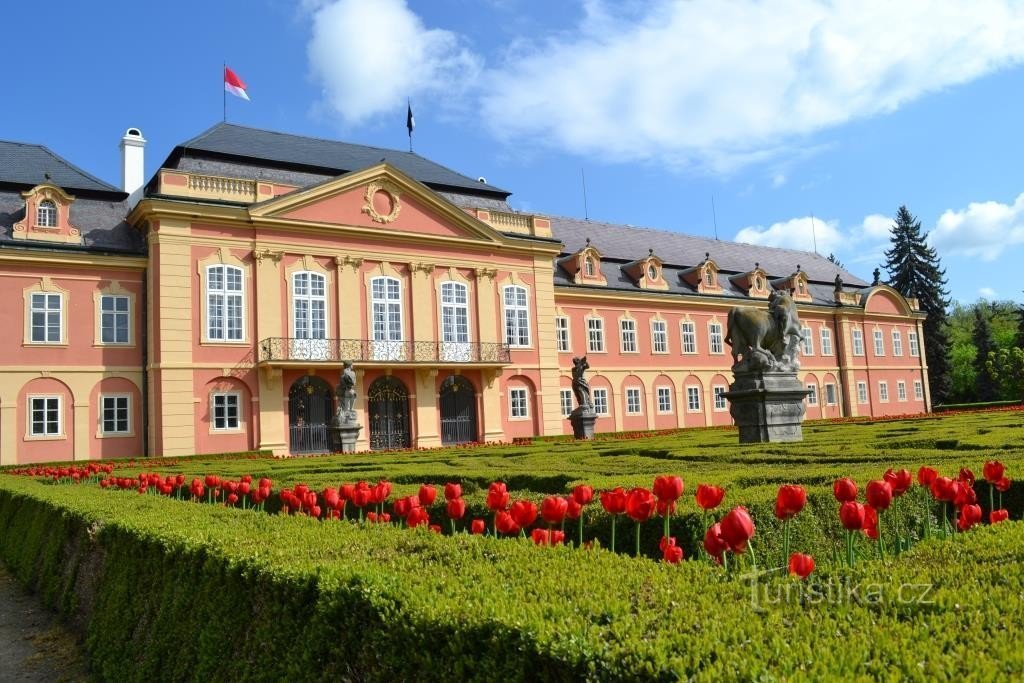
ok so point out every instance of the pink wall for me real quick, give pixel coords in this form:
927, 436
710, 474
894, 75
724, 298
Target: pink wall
61, 448
665, 420
209, 440
633, 422
116, 446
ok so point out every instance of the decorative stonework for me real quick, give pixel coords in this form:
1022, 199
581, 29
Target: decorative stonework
30, 227
260, 254
378, 191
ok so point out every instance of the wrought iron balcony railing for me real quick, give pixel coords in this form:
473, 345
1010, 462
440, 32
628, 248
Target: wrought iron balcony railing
277, 349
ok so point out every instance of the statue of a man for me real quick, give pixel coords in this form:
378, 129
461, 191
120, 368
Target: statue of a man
346, 390
580, 385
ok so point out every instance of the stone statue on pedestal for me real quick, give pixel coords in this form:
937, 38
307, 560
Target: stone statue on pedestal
344, 427
583, 417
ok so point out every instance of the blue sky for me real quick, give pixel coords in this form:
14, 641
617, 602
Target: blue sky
779, 110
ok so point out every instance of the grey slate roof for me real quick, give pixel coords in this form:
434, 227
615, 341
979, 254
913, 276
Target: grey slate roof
101, 222
332, 156
627, 243
27, 164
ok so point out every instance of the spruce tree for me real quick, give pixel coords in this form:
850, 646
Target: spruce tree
915, 271
987, 387
1020, 326
835, 259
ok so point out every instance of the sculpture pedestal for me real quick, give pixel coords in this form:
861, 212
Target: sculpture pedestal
767, 406
583, 423
344, 432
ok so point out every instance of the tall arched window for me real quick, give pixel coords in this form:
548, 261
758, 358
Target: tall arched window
517, 316
309, 305
224, 303
386, 314
454, 320
46, 214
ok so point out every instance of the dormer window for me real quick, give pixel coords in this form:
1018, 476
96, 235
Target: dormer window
758, 282
652, 272
588, 266
46, 214
709, 278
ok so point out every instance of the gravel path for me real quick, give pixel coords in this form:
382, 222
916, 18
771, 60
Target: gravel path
34, 646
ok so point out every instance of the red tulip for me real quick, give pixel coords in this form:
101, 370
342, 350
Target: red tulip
330, 496
212, 480
418, 516
714, 544
436, 528
381, 492
844, 490
926, 475
993, 471
870, 527
964, 495
668, 488
244, 488
583, 494
371, 517
427, 495
452, 491
640, 504
790, 501
996, 516
879, 494
614, 502
265, 483
574, 509
523, 512
362, 496
539, 536
246, 479
737, 528
497, 496
900, 481
1003, 485
966, 476
553, 509
709, 497
231, 486
801, 565
478, 526
943, 490
456, 508
315, 511
670, 552
548, 537
969, 516
346, 491
179, 480
505, 523
232, 498
197, 488
851, 515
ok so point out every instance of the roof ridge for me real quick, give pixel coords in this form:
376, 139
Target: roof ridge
88, 175
23, 144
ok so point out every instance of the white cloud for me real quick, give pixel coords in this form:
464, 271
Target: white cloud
370, 56
983, 230
863, 243
779, 179
987, 293
727, 84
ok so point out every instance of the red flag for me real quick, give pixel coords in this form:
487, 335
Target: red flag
233, 84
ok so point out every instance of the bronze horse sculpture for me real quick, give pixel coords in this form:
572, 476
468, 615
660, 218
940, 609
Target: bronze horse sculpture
766, 340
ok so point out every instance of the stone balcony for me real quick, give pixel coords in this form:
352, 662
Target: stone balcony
286, 351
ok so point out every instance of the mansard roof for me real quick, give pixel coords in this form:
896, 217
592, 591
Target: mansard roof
269, 150
26, 165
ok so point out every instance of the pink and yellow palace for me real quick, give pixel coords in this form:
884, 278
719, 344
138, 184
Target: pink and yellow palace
211, 309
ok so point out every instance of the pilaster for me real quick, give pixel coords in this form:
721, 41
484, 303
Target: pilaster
422, 310
427, 418
490, 413
550, 422
350, 324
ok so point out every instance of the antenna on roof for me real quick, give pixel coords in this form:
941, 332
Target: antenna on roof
814, 234
586, 212
714, 216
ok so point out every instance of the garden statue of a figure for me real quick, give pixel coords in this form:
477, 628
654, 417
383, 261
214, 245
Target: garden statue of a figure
344, 428
580, 385
347, 389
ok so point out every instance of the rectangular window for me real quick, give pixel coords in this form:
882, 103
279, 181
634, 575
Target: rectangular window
517, 317
812, 397
915, 350
632, 401
562, 334
883, 391
46, 317
918, 390
664, 400
224, 303
659, 336
114, 317
688, 332
693, 399
901, 391
719, 394
226, 411
517, 402
595, 335
830, 394
858, 342
627, 336
115, 414
826, 341
565, 395
600, 401
897, 343
715, 337
879, 343
862, 392
808, 344
45, 415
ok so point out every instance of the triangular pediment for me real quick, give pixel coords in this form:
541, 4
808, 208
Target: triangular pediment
379, 198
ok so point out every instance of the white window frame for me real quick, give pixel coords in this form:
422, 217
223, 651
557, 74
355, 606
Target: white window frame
387, 318
664, 400
716, 343
600, 396
901, 390
812, 397
565, 401
221, 401
688, 337
455, 326
897, 343
915, 347
562, 339
518, 403
857, 335
692, 399
825, 335
114, 315
303, 292
589, 267
634, 401
879, 339
46, 214
220, 328
883, 391
45, 422
659, 336
627, 336
720, 402
918, 390
831, 395
595, 335
517, 316
41, 303
116, 398
862, 392
808, 341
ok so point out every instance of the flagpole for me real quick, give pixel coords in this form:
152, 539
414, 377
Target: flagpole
223, 91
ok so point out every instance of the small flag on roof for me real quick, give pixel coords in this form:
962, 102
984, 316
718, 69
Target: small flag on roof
410, 122
234, 85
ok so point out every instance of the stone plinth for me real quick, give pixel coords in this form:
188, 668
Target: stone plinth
344, 432
767, 406
582, 421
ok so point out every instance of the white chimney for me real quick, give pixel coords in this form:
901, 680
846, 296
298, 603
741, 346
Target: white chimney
132, 167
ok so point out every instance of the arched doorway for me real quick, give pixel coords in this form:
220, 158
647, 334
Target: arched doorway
388, 408
310, 408
458, 411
